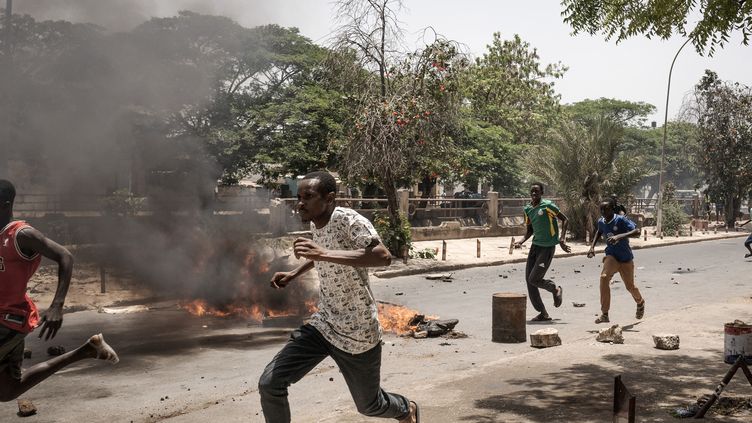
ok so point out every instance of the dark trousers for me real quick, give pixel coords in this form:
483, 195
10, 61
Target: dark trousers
307, 348
538, 260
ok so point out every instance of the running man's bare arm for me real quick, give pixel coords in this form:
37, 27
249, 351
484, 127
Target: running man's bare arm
528, 234
596, 237
373, 255
281, 279
563, 233
31, 241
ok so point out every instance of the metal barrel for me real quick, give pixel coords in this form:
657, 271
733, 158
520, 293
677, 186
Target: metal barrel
737, 341
508, 317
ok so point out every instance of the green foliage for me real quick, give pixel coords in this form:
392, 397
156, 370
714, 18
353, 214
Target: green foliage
718, 19
394, 234
673, 213
626, 113
508, 87
426, 253
122, 203
724, 125
583, 164
486, 153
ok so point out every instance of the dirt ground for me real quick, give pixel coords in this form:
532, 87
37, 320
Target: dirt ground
85, 292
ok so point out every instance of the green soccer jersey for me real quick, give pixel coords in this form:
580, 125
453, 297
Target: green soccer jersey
544, 222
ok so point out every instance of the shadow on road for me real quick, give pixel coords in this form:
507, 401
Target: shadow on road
584, 392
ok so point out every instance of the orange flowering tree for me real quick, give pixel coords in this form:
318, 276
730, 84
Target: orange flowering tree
402, 107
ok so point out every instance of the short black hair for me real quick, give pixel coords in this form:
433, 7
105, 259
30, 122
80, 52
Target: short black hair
7, 191
540, 184
326, 184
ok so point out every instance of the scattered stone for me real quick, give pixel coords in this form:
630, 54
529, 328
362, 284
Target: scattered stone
27, 353
676, 282
544, 338
26, 408
612, 335
331, 379
577, 271
664, 341
399, 293
56, 350
578, 304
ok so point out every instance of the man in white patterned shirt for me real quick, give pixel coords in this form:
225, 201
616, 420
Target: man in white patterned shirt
346, 326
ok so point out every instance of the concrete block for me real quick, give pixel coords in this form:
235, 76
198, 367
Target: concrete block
544, 338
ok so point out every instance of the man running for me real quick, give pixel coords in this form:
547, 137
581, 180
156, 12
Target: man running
748, 241
346, 326
21, 251
616, 229
541, 220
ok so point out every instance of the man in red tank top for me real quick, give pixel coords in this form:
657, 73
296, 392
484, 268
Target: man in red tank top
21, 251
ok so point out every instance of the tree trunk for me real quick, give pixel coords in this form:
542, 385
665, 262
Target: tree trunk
733, 202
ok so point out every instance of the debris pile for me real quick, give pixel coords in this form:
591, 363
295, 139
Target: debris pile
431, 328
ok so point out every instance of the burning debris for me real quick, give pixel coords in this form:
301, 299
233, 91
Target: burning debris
242, 291
410, 323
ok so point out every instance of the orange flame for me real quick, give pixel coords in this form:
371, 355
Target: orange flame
396, 318
200, 307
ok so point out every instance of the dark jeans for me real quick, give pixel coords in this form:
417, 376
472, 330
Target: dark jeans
538, 261
307, 348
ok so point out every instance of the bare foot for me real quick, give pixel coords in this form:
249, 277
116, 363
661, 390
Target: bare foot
104, 351
413, 417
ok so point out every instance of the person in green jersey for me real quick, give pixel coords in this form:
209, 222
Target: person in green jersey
541, 218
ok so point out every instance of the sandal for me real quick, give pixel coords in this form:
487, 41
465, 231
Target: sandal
640, 310
603, 318
541, 318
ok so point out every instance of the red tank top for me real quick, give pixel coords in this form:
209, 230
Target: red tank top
17, 311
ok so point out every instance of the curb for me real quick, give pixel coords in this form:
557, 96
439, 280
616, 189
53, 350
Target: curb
386, 274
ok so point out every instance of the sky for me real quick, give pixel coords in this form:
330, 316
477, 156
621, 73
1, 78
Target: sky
635, 69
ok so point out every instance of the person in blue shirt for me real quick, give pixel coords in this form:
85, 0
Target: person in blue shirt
748, 241
616, 230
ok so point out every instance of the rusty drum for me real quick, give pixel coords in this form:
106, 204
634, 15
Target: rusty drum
508, 317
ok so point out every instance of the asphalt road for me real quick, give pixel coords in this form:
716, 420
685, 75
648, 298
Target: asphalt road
180, 368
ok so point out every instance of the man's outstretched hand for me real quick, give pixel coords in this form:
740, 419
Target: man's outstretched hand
52, 319
565, 247
281, 279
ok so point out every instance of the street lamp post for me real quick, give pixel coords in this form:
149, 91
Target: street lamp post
659, 206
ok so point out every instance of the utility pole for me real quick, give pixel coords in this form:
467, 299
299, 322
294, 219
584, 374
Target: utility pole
659, 206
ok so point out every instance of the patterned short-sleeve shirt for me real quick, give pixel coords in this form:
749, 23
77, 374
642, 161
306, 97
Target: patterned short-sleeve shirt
347, 315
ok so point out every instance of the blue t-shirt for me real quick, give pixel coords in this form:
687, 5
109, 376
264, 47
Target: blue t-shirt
618, 225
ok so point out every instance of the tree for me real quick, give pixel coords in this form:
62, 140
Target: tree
509, 88
402, 107
724, 123
626, 113
626, 18
583, 164
487, 153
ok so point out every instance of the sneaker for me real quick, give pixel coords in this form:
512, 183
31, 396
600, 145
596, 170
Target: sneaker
542, 317
558, 296
640, 310
603, 318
